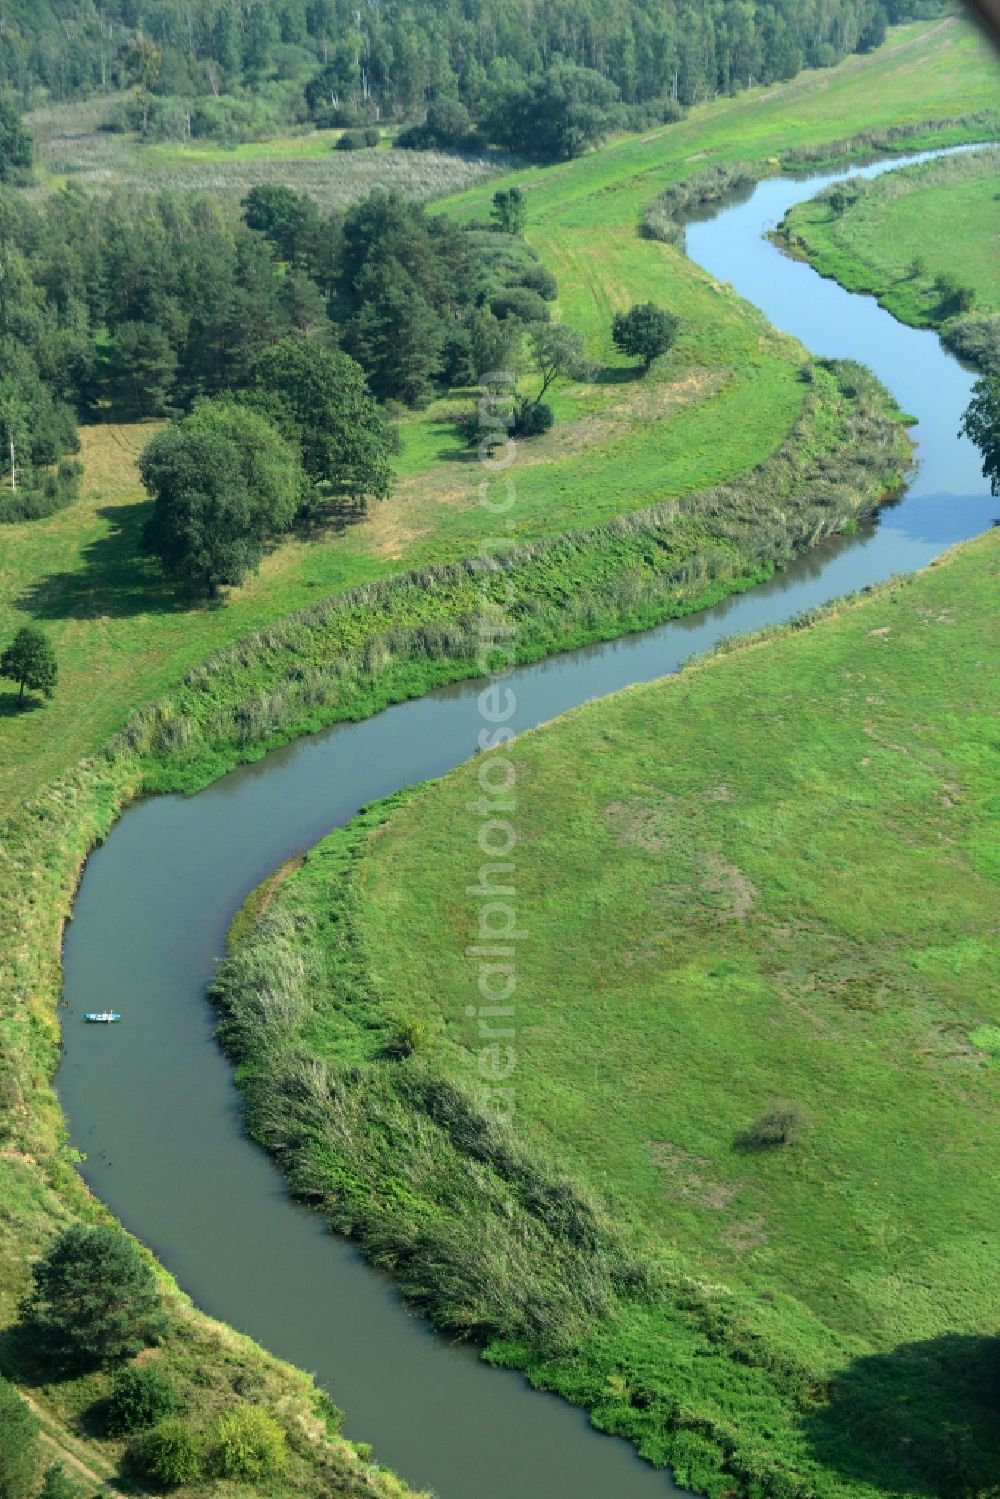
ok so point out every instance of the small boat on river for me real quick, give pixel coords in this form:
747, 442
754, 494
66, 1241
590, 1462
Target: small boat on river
102, 1017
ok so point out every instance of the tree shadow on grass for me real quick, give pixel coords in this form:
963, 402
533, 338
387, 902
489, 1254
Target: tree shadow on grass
12, 705
328, 517
115, 581
923, 1419
25, 1360
619, 374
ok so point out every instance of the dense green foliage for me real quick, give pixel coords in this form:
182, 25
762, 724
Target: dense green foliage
318, 398
171, 1454
644, 332
141, 1395
37, 427
224, 482
138, 306
553, 115
981, 424
411, 289
94, 1299
15, 144
18, 1445
336, 63
249, 1444
767, 1307
30, 661
57, 1484
895, 237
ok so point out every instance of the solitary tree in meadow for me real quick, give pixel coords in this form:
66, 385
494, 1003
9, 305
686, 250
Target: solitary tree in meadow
30, 661
644, 332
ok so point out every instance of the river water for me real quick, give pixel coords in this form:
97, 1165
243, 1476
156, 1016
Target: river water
152, 1101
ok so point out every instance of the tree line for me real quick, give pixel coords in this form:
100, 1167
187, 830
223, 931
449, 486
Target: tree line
332, 61
136, 307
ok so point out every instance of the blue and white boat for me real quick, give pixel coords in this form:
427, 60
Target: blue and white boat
102, 1017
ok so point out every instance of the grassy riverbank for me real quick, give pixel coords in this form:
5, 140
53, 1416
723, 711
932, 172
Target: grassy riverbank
894, 237
817, 1318
733, 400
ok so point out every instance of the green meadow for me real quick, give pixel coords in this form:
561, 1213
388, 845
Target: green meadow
732, 400
902, 231
765, 882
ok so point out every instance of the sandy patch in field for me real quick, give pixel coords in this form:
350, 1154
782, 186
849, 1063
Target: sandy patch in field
409, 515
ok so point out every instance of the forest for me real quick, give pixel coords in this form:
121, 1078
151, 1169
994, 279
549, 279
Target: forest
332, 62
137, 308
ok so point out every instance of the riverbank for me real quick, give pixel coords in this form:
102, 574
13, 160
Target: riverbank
347, 659
895, 239
45, 844
744, 1314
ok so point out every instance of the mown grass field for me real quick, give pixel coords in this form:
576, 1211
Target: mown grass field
773, 877
906, 229
724, 398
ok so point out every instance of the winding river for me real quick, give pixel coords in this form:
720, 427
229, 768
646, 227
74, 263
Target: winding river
152, 1102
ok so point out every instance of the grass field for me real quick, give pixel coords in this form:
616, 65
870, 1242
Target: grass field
905, 229
769, 878
727, 399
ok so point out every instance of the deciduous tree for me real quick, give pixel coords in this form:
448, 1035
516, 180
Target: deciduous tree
645, 331
318, 398
30, 661
224, 483
981, 425
559, 353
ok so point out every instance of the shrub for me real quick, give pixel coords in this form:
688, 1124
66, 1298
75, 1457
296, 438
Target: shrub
18, 1444
987, 1038
351, 140
520, 302
57, 1485
250, 1444
140, 1397
170, 1454
975, 339
532, 419
409, 1036
371, 137
955, 299
780, 1124
448, 127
